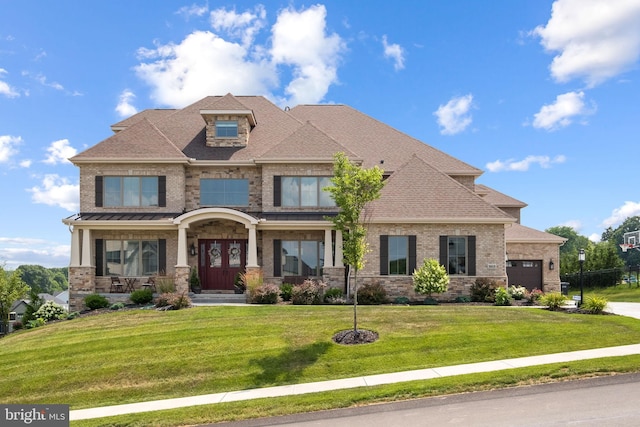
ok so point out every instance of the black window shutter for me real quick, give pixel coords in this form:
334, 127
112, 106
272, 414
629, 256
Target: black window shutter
162, 256
412, 254
99, 257
277, 258
98, 191
384, 255
471, 258
277, 191
162, 191
444, 251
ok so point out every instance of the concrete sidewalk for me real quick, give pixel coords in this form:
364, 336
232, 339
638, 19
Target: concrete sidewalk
625, 309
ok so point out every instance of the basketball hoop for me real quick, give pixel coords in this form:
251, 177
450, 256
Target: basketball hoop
626, 246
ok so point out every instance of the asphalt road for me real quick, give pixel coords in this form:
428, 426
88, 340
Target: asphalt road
607, 401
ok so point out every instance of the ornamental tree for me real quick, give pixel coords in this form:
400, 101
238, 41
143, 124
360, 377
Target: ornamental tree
430, 278
353, 187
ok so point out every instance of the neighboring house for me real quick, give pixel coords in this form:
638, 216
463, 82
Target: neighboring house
234, 183
15, 315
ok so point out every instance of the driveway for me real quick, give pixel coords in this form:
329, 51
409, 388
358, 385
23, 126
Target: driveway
631, 309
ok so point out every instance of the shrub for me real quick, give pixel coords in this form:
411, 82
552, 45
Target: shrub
309, 292
285, 291
173, 301
165, 284
553, 300
517, 292
117, 306
483, 290
502, 296
594, 304
141, 296
17, 325
430, 278
372, 294
50, 311
95, 301
73, 315
251, 280
463, 299
334, 296
401, 300
266, 293
534, 296
35, 323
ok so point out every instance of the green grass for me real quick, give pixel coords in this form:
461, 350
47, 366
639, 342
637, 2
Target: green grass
620, 293
142, 355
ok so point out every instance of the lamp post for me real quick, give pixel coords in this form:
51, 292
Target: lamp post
581, 260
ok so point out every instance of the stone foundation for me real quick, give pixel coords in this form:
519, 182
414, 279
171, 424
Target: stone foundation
84, 283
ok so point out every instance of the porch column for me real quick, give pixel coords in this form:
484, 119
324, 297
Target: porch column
328, 252
75, 248
252, 259
182, 247
86, 248
339, 254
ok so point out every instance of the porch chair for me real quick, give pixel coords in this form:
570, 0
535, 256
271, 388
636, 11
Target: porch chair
150, 284
116, 284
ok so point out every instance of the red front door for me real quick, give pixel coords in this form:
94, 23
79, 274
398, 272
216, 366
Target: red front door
220, 262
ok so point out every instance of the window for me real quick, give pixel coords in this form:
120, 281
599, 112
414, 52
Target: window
458, 253
129, 190
305, 191
131, 257
302, 258
224, 192
226, 128
397, 255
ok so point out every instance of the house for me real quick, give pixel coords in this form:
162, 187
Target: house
234, 183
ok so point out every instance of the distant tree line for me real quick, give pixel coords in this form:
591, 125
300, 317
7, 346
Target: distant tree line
44, 280
602, 255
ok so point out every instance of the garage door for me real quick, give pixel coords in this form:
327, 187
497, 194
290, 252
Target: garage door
525, 273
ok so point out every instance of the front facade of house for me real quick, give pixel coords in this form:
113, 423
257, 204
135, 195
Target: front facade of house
234, 183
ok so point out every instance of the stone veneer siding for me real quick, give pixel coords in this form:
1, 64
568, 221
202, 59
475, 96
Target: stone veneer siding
244, 130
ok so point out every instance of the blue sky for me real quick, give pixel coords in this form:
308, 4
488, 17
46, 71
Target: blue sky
542, 95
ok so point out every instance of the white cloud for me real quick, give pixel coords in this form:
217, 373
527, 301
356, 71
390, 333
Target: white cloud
230, 60
395, 52
512, 165
5, 88
57, 191
125, 107
203, 63
453, 117
560, 114
300, 40
594, 39
243, 26
59, 152
193, 10
628, 209
8, 146
43, 81
25, 163
17, 251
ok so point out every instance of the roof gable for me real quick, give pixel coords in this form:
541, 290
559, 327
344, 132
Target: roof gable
497, 198
307, 142
518, 233
140, 141
419, 191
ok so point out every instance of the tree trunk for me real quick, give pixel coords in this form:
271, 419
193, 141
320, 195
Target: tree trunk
355, 302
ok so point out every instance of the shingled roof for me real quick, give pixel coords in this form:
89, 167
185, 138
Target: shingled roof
518, 233
497, 198
419, 192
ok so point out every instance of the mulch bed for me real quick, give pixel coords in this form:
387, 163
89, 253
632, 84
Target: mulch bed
360, 336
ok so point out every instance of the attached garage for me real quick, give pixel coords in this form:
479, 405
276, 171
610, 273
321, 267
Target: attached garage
527, 273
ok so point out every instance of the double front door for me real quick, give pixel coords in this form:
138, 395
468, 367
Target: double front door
220, 261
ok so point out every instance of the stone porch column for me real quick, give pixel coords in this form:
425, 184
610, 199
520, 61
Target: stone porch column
75, 248
252, 259
339, 255
182, 247
86, 248
328, 248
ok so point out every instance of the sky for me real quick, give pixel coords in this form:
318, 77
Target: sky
541, 95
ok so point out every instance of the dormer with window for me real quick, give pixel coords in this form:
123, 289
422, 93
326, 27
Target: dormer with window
228, 128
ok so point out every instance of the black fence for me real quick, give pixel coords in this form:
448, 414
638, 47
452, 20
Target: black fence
602, 278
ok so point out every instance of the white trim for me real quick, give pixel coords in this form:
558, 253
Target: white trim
188, 218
